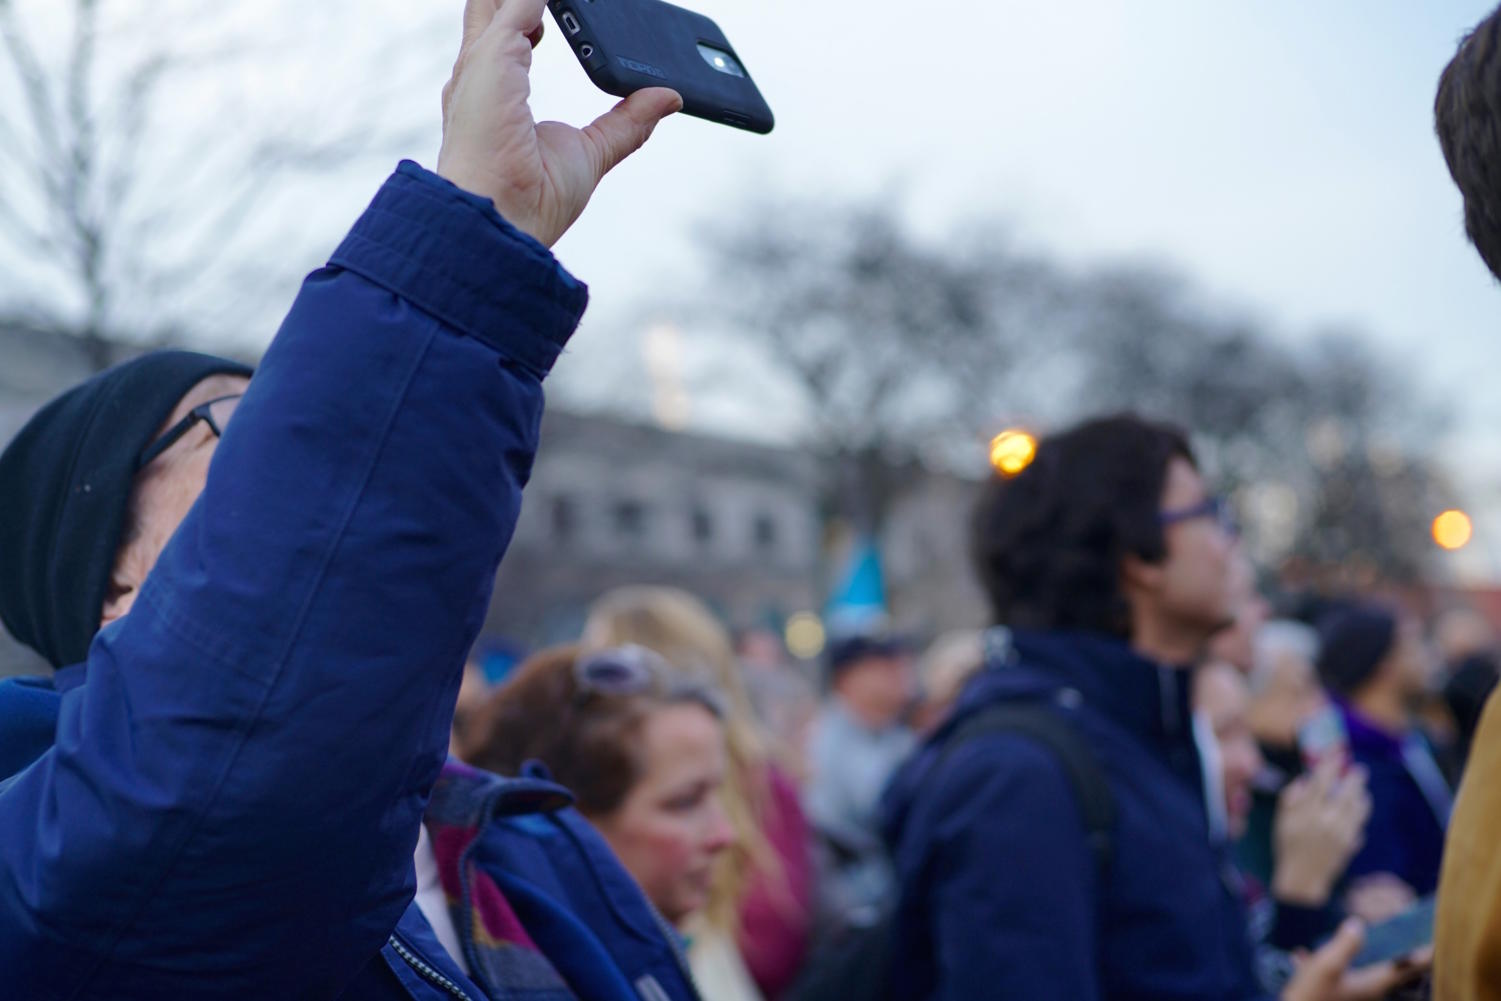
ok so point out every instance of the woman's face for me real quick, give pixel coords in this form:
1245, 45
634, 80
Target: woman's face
1220, 694
671, 826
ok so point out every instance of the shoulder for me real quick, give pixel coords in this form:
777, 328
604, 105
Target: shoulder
1004, 773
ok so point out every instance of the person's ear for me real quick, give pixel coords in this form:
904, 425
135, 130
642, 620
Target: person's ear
1139, 576
124, 584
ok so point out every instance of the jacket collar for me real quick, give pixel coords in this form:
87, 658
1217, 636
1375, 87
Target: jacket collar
1148, 699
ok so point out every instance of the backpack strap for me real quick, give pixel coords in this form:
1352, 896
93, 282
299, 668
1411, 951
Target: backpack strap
1044, 724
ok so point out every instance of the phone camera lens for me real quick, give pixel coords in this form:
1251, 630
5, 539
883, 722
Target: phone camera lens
721, 61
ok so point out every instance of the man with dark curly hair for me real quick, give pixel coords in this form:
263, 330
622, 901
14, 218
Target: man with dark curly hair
1467, 963
1067, 853
1467, 117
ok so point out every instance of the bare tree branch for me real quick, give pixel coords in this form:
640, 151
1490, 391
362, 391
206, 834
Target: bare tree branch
128, 222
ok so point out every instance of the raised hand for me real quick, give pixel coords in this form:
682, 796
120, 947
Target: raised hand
540, 176
1320, 825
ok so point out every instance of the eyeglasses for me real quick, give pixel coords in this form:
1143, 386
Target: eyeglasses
635, 670
1215, 508
215, 413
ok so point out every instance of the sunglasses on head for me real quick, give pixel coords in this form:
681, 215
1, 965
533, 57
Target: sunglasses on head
635, 670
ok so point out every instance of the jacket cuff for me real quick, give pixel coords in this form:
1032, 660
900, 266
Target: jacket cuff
1295, 927
449, 253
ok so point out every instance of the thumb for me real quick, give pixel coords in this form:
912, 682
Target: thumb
623, 129
1335, 956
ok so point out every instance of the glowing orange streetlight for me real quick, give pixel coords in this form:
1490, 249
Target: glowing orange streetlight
1011, 451
1453, 530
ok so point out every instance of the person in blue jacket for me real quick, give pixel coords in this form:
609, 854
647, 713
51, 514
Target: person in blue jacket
1108, 564
258, 593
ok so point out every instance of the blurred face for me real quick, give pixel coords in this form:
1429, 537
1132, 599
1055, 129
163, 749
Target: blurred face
1236, 644
1291, 697
1413, 665
878, 689
164, 492
1220, 695
1187, 597
671, 826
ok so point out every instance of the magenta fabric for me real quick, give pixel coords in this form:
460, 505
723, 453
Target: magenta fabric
776, 914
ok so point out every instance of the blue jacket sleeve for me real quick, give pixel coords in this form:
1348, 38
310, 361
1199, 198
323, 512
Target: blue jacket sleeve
1014, 891
235, 791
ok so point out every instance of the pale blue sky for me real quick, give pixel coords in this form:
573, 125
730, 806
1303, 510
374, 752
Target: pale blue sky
1281, 153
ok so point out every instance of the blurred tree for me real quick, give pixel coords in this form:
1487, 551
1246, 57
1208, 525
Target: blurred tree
902, 351
895, 348
1375, 487
113, 209
1332, 423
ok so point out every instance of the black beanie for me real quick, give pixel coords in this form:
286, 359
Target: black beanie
65, 482
1352, 644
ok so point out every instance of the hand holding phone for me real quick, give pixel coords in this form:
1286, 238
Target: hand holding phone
1324, 737
627, 45
1405, 935
539, 176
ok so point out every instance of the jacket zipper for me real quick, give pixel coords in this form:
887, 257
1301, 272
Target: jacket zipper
427, 973
674, 941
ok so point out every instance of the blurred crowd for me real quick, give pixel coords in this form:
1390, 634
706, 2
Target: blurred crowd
752, 795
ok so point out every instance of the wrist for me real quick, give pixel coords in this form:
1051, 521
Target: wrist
481, 184
1290, 886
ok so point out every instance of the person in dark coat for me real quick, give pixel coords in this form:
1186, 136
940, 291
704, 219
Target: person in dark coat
1107, 563
257, 596
1375, 664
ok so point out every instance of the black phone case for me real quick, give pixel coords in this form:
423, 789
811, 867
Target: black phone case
627, 45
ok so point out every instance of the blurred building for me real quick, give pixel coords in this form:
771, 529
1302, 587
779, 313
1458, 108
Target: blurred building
613, 503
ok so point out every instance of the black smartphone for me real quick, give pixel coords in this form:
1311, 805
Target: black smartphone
627, 45
1400, 936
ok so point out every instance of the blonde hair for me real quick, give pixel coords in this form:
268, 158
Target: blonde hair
949, 663
683, 630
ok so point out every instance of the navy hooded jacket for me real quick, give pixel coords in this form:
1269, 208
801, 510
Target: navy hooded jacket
224, 800
1001, 895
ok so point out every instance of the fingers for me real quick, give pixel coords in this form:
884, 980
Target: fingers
1326, 773
524, 16
1371, 983
1350, 806
1295, 792
623, 129
477, 17
1339, 951
1420, 961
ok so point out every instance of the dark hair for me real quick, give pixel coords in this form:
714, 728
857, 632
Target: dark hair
1467, 117
589, 742
1467, 692
1048, 542
1353, 642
